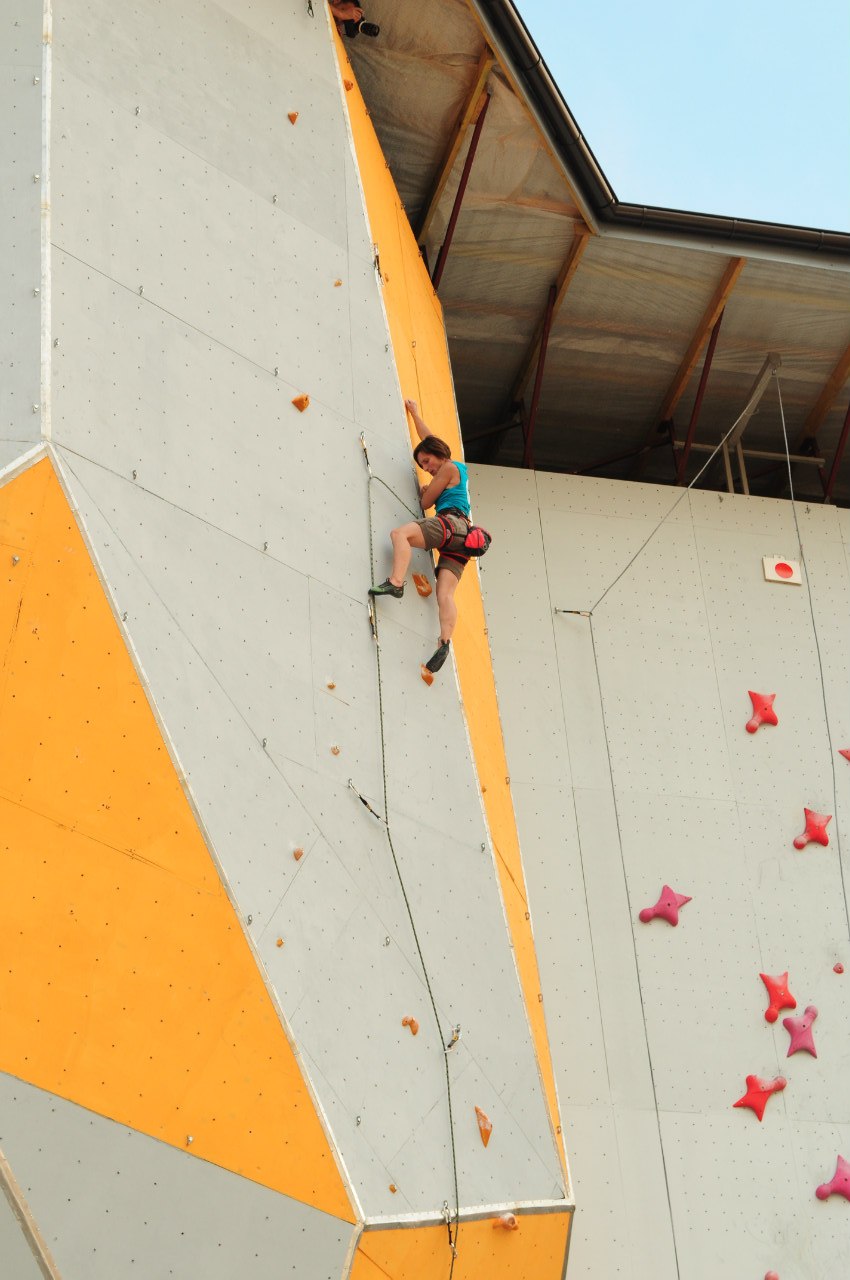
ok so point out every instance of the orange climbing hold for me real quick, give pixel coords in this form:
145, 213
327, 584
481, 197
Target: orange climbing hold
292, 116
427, 676
485, 1126
332, 684
349, 85
337, 284
279, 942
301, 402
507, 1221
298, 854
422, 585
393, 1188
413, 1024
334, 751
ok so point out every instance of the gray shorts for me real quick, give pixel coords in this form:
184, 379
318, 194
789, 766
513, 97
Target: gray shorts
452, 555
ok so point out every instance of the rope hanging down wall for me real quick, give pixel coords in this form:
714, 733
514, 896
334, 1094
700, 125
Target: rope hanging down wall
588, 613
446, 1045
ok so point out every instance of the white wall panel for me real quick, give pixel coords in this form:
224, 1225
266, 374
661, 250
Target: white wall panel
18, 1258
21, 182
114, 1202
665, 1024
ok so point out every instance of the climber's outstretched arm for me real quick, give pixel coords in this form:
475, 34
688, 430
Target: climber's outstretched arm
413, 409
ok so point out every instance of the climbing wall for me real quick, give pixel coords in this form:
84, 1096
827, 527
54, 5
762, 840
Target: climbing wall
638, 788
240, 855
22, 301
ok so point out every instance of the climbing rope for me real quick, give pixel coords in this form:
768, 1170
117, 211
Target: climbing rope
668, 513
807, 581
445, 1047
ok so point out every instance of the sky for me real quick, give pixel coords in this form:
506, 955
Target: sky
739, 108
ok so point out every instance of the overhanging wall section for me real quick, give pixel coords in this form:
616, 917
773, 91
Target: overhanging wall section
631, 769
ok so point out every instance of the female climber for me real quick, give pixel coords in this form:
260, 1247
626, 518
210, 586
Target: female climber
446, 531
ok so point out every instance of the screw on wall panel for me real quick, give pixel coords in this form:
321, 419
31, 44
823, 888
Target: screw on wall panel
36, 177
189, 1140
141, 289
250, 919
413, 343
386, 942
16, 559
124, 616
35, 79
138, 111
483, 846
265, 546
274, 199
135, 475
357, 1120
56, 342
265, 743
36, 408
36, 292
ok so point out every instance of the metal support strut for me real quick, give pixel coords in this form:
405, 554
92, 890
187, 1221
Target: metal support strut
692, 425
836, 461
528, 451
461, 191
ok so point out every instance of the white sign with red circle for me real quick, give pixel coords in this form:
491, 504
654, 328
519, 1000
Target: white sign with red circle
778, 569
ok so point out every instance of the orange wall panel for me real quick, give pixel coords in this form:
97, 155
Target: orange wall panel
127, 984
485, 1252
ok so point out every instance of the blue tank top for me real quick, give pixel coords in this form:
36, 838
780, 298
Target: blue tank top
458, 495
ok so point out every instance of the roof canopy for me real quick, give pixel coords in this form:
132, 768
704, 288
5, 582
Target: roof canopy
632, 293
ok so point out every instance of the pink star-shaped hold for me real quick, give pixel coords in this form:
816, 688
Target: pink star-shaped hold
763, 712
780, 996
758, 1092
840, 1185
666, 908
800, 1031
815, 832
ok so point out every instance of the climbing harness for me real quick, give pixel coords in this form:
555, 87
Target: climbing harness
447, 1213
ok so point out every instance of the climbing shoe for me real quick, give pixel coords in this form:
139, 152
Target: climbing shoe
387, 588
434, 663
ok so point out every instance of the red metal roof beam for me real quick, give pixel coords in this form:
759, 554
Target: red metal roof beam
461, 191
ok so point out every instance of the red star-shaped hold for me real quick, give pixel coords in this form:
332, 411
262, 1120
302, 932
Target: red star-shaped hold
758, 1092
763, 712
780, 996
666, 908
844, 751
800, 1031
840, 1185
815, 832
